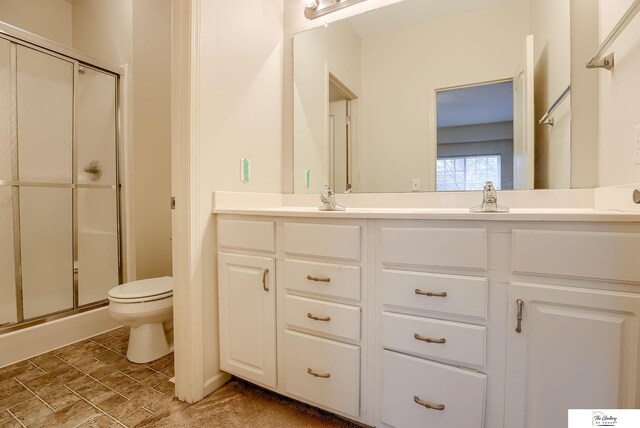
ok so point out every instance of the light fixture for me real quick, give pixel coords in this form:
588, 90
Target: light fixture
317, 8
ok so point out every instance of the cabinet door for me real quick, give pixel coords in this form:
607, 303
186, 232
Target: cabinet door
247, 302
577, 348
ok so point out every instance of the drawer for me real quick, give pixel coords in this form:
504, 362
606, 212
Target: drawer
464, 343
323, 317
406, 379
323, 279
597, 255
465, 295
323, 240
450, 248
247, 235
336, 384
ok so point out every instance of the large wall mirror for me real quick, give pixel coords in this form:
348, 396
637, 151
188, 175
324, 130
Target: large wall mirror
435, 95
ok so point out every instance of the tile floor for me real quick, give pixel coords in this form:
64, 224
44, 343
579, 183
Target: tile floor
92, 384
86, 384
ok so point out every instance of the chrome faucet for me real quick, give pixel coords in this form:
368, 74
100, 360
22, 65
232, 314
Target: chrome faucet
328, 200
489, 201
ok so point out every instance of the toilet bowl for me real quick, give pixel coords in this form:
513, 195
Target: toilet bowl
146, 306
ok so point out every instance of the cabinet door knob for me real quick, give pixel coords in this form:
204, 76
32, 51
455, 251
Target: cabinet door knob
310, 316
430, 294
322, 375
428, 404
428, 339
317, 279
520, 304
264, 280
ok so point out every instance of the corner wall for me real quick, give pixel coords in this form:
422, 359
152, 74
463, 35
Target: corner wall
619, 95
47, 18
232, 109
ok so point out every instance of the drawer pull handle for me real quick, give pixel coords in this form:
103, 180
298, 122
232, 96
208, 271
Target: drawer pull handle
428, 339
310, 316
520, 304
316, 279
430, 294
322, 375
264, 280
427, 404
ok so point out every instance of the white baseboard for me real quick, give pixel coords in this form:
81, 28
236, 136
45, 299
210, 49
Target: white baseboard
26, 343
215, 382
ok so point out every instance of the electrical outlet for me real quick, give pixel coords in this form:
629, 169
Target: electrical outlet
636, 145
415, 184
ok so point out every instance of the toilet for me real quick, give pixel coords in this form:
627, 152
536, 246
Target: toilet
147, 307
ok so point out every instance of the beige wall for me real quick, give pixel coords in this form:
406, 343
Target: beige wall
240, 116
47, 18
465, 49
619, 95
102, 29
152, 136
137, 33
550, 26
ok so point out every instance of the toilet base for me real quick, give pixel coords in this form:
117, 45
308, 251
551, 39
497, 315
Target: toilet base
147, 343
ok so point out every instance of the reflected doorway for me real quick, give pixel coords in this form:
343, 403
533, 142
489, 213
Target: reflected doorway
341, 135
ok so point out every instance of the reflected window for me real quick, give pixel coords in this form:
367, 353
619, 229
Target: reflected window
467, 172
475, 136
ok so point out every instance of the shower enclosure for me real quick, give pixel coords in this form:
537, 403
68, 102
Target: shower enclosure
59, 188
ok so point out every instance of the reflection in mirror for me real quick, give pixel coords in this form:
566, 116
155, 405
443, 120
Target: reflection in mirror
367, 96
475, 137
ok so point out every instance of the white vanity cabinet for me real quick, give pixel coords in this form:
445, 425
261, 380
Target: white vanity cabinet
433, 295
293, 309
412, 323
574, 347
247, 300
321, 313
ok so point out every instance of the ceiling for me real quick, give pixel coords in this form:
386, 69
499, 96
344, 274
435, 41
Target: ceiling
475, 105
413, 12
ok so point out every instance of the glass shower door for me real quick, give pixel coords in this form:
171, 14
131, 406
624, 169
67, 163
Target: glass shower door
8, 307
97, 249
59, 212
44, 108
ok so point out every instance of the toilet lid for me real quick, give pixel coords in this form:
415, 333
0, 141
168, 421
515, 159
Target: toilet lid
143, 288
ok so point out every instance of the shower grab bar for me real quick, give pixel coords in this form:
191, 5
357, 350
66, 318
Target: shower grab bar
547, 119
55, 185
601, 61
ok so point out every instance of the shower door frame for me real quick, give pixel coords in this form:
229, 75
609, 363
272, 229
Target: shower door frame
79, 60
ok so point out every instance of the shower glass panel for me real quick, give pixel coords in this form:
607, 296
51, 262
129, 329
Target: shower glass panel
97, 254
45, 117
8, 311
46, 242
97, 244
96, 117
5, 112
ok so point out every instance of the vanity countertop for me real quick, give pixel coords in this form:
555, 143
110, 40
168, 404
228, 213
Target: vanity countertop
277, 205
563, 214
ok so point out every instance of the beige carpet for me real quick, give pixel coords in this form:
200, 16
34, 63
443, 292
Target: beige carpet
241, 404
